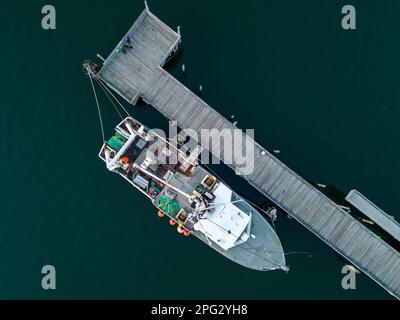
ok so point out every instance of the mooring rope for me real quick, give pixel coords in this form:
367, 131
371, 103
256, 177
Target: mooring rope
98, 108
109, 98
108, 90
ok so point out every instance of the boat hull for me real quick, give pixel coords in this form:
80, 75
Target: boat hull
262, 251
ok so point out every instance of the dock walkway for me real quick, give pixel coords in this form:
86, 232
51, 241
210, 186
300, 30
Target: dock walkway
139, 72
376, 214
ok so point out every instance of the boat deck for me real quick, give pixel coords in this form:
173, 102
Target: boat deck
139, 72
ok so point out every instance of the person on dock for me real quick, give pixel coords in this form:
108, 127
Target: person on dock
128, 42
121, 49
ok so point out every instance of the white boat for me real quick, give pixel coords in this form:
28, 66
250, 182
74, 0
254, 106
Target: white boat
193, 199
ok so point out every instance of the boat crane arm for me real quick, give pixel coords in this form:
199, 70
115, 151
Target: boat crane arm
162, 181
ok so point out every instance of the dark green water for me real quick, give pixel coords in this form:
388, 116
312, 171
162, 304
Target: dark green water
326, 97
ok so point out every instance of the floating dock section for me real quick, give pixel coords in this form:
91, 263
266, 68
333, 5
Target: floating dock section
138, 73
375, 213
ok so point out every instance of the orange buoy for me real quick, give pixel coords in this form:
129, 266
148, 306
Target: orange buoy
186, 233
180, 229
172, 222
160, 213
125, 159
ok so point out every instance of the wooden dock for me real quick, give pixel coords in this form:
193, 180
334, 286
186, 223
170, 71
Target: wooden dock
139, 72
153, 42
376, 214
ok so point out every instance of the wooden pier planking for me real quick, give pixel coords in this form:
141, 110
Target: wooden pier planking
375, 213
152, 41
139, 73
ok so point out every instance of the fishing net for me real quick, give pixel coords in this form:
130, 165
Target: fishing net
169, 206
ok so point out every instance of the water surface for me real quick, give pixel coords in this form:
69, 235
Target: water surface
327, 98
